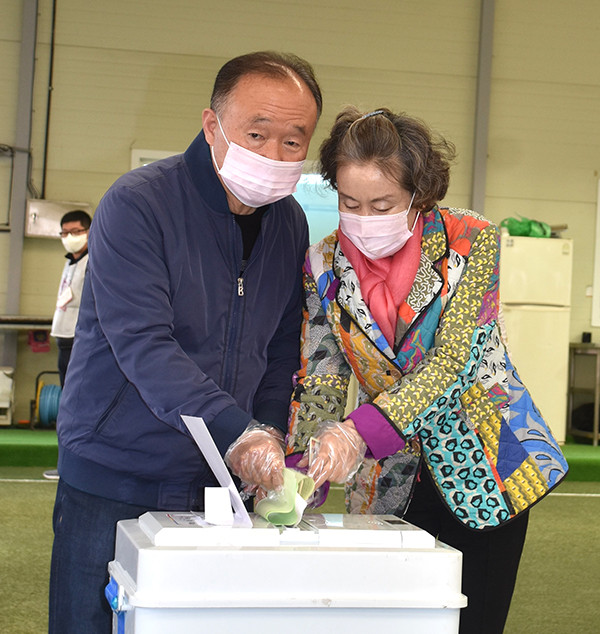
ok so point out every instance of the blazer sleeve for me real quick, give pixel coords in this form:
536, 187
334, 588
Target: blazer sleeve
320, 386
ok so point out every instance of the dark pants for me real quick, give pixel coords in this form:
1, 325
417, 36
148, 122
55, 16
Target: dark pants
490, 558
84, 543
64, 346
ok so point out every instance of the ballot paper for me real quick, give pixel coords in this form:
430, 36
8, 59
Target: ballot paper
209, 450
285, 507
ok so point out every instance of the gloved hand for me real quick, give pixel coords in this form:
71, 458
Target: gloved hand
257, 456
335, 453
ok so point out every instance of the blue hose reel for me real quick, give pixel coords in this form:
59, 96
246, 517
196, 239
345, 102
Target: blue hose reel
49, 401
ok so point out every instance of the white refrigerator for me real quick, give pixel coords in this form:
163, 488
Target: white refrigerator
535, 292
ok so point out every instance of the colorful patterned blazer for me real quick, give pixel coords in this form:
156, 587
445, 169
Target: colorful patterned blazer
447, 393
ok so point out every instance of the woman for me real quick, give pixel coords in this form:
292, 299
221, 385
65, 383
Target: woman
404, 297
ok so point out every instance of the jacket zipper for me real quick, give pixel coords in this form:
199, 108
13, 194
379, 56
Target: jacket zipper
240, 279
236, 316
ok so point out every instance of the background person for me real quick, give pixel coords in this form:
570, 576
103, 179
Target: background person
404, 295
74, 227
191, 305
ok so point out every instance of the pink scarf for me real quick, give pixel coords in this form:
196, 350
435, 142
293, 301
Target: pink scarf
386, 283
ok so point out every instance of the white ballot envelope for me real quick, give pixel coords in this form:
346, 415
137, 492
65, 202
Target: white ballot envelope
209, 450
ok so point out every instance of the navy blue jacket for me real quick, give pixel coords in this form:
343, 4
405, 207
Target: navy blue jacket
163, 330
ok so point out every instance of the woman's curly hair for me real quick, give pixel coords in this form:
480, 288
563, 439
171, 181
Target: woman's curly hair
402, 147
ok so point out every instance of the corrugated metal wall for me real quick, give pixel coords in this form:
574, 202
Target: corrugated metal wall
137, 74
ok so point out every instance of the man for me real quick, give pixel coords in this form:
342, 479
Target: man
192, 305
74, 227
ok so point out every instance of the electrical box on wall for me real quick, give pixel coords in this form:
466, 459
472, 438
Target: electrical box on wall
43, 216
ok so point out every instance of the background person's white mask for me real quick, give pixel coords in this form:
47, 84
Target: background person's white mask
256, 180
378, 236
73, 244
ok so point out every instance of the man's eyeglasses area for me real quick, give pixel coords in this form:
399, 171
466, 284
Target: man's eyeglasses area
74, 232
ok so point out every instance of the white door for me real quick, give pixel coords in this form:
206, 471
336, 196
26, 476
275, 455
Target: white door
538, 343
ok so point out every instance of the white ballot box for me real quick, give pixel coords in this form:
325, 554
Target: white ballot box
174, 572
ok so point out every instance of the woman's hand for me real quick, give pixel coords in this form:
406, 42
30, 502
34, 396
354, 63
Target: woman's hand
335, 452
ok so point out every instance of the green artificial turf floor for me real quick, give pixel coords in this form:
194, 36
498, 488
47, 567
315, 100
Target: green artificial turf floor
39, 447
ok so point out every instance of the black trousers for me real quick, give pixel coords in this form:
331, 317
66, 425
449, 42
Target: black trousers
490, 558
64, 346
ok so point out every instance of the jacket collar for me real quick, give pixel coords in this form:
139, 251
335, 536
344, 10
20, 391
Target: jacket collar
204, 176
434, 243
72, 259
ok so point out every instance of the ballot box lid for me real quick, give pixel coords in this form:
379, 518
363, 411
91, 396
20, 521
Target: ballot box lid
328, 530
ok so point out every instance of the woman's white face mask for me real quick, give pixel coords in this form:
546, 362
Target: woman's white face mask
253, 179
374, 210
378, 236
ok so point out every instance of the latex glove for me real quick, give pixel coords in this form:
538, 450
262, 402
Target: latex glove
335, 453
257, 456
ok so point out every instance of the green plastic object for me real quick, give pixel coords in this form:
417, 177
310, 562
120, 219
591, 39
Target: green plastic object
285, 507
526, 227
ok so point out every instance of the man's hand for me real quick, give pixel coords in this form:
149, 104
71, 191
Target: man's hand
257, 458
